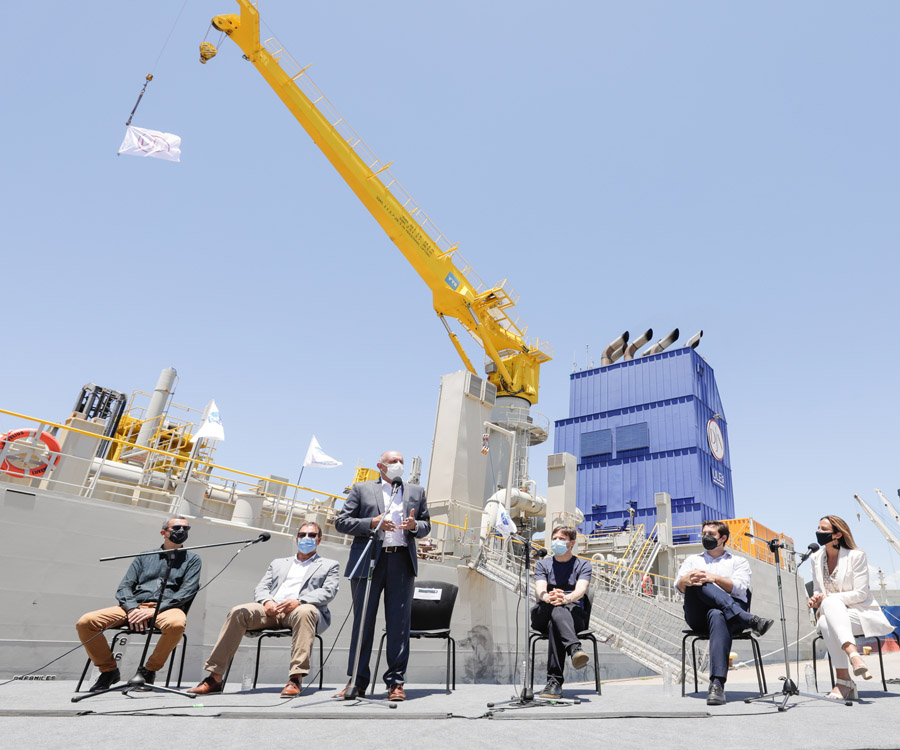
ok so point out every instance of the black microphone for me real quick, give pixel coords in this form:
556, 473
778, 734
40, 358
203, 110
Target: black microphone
810, 549
396, 484
265, 536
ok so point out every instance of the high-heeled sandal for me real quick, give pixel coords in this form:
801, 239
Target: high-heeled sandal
852, 693
862, 671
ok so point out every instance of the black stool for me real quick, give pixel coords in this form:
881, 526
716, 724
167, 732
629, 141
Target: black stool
831, 668
745, 635
277, 633
124, 631
583, 635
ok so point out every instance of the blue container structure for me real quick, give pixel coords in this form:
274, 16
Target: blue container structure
648, 425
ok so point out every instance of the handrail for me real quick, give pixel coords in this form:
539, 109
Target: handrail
165, 453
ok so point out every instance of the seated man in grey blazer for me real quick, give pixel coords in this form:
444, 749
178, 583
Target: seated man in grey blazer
294, 593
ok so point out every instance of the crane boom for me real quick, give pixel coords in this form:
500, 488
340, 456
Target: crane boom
879, 524
457, 292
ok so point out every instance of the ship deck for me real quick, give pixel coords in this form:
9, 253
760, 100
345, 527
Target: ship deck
633, 713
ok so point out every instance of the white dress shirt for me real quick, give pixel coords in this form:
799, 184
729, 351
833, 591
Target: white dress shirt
726, 565
294, 580
393, 507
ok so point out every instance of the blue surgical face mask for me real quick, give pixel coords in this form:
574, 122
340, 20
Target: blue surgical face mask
559, 546
306, 545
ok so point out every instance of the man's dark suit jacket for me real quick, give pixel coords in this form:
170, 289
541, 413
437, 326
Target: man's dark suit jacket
365, 502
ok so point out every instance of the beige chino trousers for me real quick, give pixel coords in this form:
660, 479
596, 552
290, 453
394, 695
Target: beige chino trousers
171, 623
302, 622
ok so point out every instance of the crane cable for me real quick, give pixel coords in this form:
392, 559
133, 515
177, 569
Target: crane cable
149, 76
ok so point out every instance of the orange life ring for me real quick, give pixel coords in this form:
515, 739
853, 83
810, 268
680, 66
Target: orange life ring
45, 437
647, 584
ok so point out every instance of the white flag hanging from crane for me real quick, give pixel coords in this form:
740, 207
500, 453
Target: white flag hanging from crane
315, 456
211, 428
142, 142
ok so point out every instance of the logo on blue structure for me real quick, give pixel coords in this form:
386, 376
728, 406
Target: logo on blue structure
452, 281
718, 477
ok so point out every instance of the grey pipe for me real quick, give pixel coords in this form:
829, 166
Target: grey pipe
638, 343
157, 406
614, 350
664, 343
694, 341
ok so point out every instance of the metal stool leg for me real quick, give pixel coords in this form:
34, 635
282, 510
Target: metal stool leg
532, 642
448, 665
454, 661
757, 662
258, 654
321, 661
881, 664
694, 660
593, 641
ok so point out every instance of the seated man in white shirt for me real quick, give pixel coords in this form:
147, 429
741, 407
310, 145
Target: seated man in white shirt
715, 586
294, 593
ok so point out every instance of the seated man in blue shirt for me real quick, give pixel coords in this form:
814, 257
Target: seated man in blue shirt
715, 586
137, 596
560, 583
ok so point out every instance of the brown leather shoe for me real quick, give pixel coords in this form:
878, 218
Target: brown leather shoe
396, 693
292, 689
360, 691
208, 687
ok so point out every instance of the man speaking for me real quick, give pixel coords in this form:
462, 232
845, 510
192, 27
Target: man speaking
405, 519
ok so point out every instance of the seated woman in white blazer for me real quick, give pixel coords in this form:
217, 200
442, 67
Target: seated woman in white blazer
845, 605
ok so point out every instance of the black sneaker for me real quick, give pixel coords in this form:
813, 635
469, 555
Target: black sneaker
105, 681
760, 625
149, 679
551, 690
716, 694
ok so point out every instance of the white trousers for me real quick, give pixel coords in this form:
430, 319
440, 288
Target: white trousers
838, 624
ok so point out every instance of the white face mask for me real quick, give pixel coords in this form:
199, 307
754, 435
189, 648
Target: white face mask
393, 471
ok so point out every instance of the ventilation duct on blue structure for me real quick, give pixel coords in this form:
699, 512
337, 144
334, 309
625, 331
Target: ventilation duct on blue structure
660, 346
614, 351
632, 348
694, 341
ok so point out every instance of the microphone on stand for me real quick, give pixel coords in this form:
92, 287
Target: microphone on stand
809, 550
264, 536
396, 484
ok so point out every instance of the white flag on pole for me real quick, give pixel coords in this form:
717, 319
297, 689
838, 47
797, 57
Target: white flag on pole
211, 428
142, 142
504, 523
315, 456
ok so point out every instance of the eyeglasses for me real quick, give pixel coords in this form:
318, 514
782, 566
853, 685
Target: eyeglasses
180, 528
308, 534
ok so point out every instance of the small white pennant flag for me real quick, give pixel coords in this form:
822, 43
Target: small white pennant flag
142, 142
504, 523
211, 428
315, 456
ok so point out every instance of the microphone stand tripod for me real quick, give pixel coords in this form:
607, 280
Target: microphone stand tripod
789, 688
138, 680
527, 699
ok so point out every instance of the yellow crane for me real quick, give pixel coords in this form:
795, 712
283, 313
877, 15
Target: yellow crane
513, 363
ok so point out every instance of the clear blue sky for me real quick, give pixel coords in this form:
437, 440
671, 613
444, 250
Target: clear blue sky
626, 165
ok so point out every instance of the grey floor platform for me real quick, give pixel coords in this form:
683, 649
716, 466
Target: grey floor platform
629, 714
